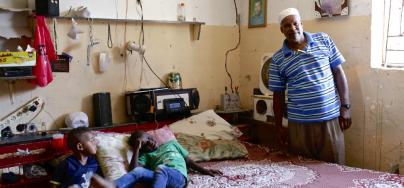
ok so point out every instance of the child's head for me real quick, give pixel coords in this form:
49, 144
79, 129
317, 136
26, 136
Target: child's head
148, 143
81, 140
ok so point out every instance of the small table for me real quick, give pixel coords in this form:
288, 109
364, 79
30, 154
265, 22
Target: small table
231, 116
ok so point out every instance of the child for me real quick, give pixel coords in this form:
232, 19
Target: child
77, 169
164, 166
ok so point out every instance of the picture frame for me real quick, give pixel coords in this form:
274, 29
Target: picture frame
257, 13
330, 8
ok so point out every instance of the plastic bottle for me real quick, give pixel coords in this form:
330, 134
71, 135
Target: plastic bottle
181, 12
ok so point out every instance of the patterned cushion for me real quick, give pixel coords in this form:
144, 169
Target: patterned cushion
162, 135
208, 125
113, 154
201, 149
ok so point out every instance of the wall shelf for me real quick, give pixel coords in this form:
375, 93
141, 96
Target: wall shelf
195, 27
17, 78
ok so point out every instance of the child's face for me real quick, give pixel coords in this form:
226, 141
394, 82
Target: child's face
88, 142
149, 144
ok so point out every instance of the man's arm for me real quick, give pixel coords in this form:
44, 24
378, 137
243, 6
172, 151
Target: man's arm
279, 107
192, 165
135, 158
343, 92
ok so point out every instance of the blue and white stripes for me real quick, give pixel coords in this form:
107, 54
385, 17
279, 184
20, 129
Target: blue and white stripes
307, 76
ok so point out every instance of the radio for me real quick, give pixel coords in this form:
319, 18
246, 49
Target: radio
161, 101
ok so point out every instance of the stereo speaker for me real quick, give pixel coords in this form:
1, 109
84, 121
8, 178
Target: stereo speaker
47, 7
160, 101
102, 109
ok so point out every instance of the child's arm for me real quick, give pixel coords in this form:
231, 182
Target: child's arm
135, 158
192, 165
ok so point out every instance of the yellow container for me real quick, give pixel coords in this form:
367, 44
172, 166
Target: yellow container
17, 59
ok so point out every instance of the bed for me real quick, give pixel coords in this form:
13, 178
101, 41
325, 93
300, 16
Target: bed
265, 167
261, 166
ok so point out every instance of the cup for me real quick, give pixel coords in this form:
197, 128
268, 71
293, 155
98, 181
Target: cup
58, 141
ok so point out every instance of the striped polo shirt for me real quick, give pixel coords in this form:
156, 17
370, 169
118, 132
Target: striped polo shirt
307, 76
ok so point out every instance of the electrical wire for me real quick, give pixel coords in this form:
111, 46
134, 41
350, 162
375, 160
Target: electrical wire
234, 48
162, 81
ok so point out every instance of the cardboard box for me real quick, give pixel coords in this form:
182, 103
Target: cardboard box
17, 59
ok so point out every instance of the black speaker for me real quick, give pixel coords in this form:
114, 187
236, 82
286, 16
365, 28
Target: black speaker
47, 7
195, 98
102, 109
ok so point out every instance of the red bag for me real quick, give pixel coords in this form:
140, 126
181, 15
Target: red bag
45, 53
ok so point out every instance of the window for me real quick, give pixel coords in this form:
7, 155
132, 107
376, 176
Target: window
394, 38
388, 34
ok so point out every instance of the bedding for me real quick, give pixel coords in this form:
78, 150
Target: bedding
201, 149
270, 168
208, 125
262, 167
162, 135
114, 154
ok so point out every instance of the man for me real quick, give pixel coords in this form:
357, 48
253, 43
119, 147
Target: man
318, 108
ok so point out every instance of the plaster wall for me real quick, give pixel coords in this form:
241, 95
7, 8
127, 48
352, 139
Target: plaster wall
375, 140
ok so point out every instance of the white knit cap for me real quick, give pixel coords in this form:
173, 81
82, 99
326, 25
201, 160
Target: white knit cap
76, 119
287, 12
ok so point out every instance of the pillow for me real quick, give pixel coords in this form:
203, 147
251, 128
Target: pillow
162, 135
208, 125
113, 154
201, 149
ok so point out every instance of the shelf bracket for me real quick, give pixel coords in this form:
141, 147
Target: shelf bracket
195, 30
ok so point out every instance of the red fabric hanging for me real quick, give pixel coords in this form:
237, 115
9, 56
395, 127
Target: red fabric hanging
45, 53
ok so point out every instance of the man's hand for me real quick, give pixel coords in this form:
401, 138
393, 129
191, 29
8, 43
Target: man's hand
345, 120
213, 172
282, 137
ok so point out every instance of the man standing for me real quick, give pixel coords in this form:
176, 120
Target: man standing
309, 67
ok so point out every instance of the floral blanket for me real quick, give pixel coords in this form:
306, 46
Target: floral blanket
268, 168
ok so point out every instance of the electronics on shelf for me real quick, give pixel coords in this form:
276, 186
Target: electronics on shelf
18, 122
161, 102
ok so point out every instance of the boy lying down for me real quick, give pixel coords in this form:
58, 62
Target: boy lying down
162, 166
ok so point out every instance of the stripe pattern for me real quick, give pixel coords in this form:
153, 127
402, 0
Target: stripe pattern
306, 75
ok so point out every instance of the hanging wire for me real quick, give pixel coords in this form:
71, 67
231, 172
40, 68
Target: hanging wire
125, 77
401, 18
141, 40
55, 41
109, 42
234, 48
141, 36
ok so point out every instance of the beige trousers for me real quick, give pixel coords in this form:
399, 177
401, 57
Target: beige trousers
322, 141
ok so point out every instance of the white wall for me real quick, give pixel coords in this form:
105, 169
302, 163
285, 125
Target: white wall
306, 8
213, 12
